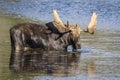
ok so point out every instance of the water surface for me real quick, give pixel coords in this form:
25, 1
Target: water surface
100, 53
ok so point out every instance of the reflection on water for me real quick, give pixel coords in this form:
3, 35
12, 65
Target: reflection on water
55, 63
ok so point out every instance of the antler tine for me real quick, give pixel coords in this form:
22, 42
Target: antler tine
92, 25
57, 20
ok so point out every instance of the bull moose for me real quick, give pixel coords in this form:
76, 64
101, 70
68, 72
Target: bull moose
54, 35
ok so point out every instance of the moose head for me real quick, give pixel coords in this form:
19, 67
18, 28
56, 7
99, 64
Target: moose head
74, 30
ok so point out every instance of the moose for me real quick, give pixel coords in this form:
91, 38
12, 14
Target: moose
53, 35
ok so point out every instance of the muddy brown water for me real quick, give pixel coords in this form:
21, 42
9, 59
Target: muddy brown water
99, 58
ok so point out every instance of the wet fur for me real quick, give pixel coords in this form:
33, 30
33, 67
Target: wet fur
46, 37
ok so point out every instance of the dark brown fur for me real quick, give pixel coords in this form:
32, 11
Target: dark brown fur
46, 37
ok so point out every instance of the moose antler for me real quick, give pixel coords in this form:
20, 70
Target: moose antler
57, 21
92, 25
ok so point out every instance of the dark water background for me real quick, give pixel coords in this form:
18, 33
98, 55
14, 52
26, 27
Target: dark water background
100, 53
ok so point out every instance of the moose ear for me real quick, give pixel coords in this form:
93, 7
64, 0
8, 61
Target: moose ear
68, 24
77, 25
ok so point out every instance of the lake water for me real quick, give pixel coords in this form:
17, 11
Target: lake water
100, 53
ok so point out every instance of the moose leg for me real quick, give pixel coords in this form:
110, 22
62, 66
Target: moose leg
18, 43
16, 40
76, 46
16, 47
